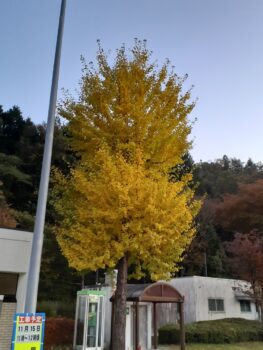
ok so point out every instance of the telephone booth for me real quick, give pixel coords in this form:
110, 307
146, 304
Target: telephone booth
89, 320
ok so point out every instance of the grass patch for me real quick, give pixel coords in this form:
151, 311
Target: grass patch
239, 346
61, 348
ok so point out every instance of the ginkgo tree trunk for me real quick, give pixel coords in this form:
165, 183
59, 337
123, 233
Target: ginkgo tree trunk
118, 207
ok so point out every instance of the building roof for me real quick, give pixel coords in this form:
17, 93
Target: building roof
243, 295
159, 292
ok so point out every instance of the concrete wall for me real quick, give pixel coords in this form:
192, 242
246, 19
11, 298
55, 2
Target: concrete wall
166, 314
15, 250
6, 325
107, 330
219, 288
197, 290
186, 287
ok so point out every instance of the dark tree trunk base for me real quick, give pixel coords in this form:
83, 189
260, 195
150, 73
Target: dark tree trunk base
119, 319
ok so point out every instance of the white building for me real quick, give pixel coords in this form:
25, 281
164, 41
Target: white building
208, 298
15, 250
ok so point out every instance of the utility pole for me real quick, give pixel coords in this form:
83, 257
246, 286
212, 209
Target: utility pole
205, 263
36, 252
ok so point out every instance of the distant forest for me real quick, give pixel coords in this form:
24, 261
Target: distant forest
231, 218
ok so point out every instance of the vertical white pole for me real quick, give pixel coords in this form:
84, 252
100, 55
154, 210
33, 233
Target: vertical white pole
76, 320
35, 259
97, 322
86, 323
149, 326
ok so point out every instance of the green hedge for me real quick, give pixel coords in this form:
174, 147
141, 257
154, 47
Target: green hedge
57, 308
228, 330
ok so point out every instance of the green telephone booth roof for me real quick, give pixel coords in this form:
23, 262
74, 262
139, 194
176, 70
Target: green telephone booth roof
91, 292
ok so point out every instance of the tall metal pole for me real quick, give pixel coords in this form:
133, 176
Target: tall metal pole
36, 252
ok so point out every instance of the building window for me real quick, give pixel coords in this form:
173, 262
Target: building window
216, 305
245, 306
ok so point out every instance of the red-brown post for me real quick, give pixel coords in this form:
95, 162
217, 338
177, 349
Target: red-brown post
182, 330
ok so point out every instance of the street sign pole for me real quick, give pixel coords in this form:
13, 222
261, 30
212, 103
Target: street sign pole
36, 252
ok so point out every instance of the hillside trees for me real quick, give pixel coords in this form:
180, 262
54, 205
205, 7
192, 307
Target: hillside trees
242, 211
21, 152
6, 218
232, 191
224, 175
240, 215
246, 259
206, 254
117, 208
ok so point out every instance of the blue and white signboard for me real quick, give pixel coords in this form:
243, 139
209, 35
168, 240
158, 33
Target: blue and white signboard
28, 331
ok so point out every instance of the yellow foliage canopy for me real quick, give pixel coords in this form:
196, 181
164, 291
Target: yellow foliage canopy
128, 128
131, 104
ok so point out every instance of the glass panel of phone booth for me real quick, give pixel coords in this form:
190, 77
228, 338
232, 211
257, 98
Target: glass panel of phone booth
80, 321
94, 323
100, 328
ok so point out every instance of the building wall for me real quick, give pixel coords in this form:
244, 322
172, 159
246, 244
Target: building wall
186, 287
167, 313
6, 325
108, 307
220, 288
15, 250
197, 290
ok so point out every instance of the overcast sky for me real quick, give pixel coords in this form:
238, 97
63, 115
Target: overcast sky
218, 43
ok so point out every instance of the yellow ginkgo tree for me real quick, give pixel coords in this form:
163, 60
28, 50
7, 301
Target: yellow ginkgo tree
118, 206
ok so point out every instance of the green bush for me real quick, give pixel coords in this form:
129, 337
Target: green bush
57, 308
228, 330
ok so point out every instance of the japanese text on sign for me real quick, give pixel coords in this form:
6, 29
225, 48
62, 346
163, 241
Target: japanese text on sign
28, 332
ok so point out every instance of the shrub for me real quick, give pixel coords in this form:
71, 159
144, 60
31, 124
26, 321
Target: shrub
66, 309
229, 330
57, 308
59, 333
49, 307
